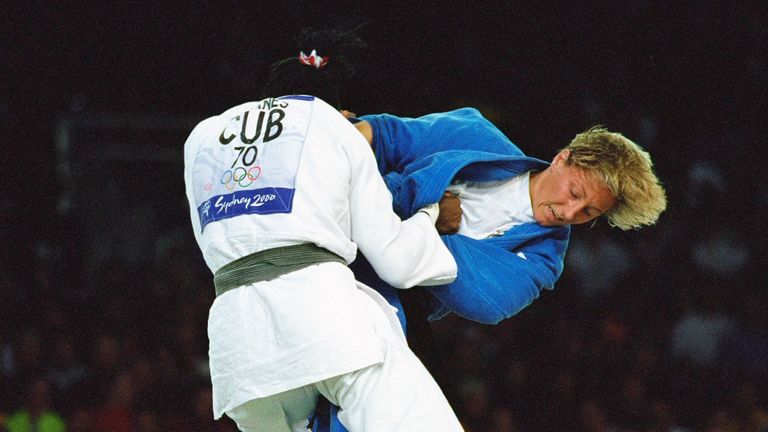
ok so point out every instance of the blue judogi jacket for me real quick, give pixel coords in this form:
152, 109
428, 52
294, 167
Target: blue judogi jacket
418, 159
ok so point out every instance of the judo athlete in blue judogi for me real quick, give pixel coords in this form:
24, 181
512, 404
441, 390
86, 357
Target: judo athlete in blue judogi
516, 210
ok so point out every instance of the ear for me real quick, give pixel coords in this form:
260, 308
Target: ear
561, 158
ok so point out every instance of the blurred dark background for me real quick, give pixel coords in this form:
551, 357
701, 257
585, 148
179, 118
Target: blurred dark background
104, 295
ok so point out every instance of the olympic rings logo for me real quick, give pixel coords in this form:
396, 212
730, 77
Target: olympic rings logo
240, 176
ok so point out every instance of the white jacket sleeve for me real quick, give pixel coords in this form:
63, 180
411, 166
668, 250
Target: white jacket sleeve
403, 253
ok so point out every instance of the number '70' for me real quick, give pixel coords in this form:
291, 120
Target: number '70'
247, 154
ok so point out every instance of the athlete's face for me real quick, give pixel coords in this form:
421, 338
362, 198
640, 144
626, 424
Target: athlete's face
565, 195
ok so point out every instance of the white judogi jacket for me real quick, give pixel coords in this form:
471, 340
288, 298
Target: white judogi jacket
285, 171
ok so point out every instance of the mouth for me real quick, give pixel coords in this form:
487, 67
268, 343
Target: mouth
554, 214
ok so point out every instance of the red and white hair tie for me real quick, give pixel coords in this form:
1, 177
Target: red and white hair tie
313, 59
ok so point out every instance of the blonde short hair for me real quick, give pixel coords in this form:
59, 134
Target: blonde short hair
626, 170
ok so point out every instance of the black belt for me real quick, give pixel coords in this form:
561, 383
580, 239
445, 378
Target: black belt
269, 264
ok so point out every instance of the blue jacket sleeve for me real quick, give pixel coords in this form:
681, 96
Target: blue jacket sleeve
401, 196
398, 141
494, 283
419, 157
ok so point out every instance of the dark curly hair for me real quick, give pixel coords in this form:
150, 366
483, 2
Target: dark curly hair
289, 76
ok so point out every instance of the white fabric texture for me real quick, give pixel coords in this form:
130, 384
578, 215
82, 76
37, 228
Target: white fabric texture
397, 395
341, 202
315, 323
491, 208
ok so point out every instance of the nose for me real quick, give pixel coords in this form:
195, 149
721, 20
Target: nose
572, 211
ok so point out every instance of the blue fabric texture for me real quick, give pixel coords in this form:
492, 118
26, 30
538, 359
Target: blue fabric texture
419, 158
498, 276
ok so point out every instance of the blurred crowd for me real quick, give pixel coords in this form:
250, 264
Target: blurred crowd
129, 353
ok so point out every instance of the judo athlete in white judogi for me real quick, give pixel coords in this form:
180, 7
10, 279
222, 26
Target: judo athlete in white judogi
282, 192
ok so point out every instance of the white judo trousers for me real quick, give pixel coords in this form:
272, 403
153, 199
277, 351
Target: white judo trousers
288, 171
397, 394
